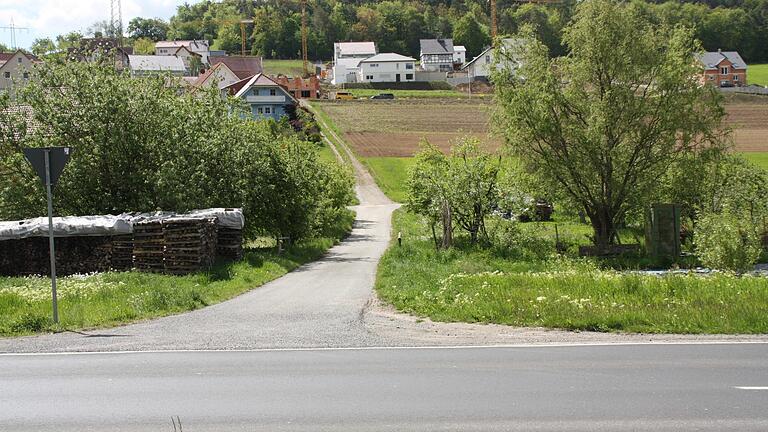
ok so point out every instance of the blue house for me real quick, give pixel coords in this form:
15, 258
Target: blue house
265, 97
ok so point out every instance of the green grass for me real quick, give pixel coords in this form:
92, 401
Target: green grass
366, 93
758, 74
108, 299
291, 68
390, 174
470, 284
758, 158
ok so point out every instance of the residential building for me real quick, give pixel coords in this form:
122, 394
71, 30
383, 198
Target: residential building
481, 66
437, 55
387, 67
220, 74
141, 65
346, 60
301, 88
723, 68
459, 55
15, 69
243, 66
169, 48
192, 60
266, 98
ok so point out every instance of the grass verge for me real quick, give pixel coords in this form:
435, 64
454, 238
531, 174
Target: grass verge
469, 284
758, 74
109, 299
758, 158
391, 174
291, 68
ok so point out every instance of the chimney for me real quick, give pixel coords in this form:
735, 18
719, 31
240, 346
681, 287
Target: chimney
719, 50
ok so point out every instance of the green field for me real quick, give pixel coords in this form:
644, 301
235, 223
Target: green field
758, 158
758, 74
499, 285
390, 174
108, 299
291, 68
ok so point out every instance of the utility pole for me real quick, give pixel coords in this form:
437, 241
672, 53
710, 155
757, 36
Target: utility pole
13, 28
304, 37
116, 20
242, 34
494, 25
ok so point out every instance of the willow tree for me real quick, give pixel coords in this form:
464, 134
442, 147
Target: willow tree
603, 123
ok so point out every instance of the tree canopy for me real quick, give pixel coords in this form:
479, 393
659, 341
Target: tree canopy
604, 123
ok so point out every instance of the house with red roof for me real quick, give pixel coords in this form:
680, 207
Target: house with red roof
15, 69
243, 66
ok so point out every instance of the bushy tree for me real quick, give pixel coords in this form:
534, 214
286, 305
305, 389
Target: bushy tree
471, 34
154, 29
603, 123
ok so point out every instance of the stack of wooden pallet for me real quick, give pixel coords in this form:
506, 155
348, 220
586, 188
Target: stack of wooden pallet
190, 244
148, 246
122, 252
230, 243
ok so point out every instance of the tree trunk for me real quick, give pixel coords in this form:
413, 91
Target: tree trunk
447, 226
604, 228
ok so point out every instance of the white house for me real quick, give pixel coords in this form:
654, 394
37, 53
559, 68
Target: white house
346, 60
480, 66
15, 69
169, 48
459, 55
220, 74
436, 55
387, 67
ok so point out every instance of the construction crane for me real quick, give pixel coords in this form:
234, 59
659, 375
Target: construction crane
304, 37
242, 34
13, 28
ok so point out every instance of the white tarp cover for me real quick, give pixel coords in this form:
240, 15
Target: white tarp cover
72, 226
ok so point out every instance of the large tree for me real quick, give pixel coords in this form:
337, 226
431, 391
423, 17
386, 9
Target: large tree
151, 28
605, 122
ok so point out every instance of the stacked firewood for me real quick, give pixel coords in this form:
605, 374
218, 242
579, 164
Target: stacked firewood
230, 243
74, 255
122, 252
190, 244
148, 246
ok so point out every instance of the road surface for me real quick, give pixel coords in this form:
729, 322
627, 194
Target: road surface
611, 388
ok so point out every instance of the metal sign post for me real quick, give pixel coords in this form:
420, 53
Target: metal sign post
49, 162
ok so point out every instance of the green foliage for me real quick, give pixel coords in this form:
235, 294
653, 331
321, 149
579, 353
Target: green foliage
727, 241
144, 46
154, 29
469, 33
603, 127
43, 46
513, 242
462, 185
133, 153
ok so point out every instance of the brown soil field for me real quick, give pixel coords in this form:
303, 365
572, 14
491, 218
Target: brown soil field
396, 128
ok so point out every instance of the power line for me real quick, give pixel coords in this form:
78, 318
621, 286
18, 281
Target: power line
13, 28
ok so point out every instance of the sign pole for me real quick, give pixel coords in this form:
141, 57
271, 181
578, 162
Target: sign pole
50, 235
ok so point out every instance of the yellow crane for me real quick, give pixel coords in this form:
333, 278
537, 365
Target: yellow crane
305, 62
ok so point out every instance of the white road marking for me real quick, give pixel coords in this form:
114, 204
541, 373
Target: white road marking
751, 388
390, 348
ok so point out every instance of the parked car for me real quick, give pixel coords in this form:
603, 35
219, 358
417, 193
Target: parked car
344, 96
383, 96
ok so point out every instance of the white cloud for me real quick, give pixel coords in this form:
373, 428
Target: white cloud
49, 18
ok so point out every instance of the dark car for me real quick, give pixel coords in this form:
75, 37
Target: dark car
383, 96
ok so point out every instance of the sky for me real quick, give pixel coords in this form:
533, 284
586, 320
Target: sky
50, 18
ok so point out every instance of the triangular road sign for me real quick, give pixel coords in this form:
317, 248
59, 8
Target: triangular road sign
59, 156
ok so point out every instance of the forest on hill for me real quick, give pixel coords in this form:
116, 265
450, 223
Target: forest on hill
397, 25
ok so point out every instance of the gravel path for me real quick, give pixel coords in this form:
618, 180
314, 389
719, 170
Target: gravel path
327, 303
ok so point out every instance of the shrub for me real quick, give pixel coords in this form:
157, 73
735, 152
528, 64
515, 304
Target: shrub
510, 241
726, 241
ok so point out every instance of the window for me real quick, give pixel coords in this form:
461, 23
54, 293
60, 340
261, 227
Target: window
487, 59
306, 93
267, 110
7, 75
711, 77
724, 70
409, 65
409, 76
18, 60
272, 92
735, 77
369, 77
374, 65
260, 110
26, 75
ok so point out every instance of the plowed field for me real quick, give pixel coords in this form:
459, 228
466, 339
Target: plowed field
395, 128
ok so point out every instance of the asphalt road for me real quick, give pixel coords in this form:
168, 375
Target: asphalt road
611, 388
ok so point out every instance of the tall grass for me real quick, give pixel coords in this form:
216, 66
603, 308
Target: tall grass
472, 284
